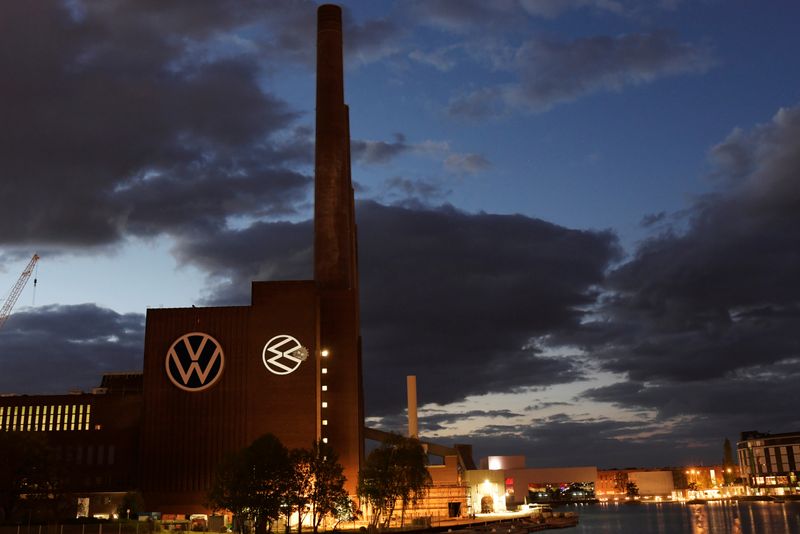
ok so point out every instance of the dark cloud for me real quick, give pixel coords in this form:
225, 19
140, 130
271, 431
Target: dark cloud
407, 192
381, 152
563, 440
721, 296
53, 348
114, 125
550, 72
373, 152
462, 16
651, 219
764, 395
466, 163
451, 294
432, 422
144, 118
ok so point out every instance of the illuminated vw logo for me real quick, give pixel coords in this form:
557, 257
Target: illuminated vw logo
195, 361
283, 354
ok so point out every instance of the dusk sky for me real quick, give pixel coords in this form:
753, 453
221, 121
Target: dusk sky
579, 220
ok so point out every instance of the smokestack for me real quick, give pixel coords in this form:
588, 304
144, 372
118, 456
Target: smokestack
334, 261
411, 387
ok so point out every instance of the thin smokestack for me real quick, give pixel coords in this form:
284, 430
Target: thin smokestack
411, 387
334, 261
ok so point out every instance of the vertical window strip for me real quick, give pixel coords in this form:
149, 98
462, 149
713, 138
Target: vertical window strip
52, 409
80, 416
58, 418
29, 426
2, 417
88, 414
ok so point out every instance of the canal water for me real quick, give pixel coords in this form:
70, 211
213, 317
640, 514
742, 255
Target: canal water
676, 518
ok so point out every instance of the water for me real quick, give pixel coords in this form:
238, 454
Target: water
677, 518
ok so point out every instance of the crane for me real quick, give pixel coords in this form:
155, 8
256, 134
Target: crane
5, 312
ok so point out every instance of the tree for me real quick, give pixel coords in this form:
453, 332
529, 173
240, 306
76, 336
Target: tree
316, 484
30, 479
252, 483
620, 481
298, 487
727, 462
345, 509
328, 494
229, 490
395, 471
631, 490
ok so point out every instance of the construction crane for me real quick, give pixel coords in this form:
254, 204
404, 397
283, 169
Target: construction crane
5, 312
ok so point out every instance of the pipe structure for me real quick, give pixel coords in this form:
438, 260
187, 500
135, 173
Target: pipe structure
411, 387
334, 261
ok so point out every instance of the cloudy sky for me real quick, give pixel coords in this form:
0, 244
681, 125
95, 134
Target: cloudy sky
579, 220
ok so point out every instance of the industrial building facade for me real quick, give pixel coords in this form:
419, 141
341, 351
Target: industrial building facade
216, 378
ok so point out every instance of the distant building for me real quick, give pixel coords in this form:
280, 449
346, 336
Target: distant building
770, 463
95, 436
651, 483
505, 484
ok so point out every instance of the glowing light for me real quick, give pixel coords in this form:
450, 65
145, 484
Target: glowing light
324, 404
324, 370
324, 388
325, 353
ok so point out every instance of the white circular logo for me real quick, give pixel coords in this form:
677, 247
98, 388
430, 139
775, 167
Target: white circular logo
195, 361
283, 354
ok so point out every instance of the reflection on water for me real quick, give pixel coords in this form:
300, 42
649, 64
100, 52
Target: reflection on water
722, 517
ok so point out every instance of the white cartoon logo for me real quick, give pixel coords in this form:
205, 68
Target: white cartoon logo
283, 354
195, 361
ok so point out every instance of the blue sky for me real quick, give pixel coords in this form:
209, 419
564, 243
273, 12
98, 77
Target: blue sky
606, 186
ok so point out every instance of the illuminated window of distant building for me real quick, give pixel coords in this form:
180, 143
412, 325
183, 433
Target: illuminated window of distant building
324, 422
80, 416
88, 415
36, 419
29, 426
324, 440
74, 414
324, 388
324, 404
324, 370
2, 417
58, 417
98, 427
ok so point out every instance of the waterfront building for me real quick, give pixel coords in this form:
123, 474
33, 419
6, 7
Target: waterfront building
651, 483
770, 463
505, 483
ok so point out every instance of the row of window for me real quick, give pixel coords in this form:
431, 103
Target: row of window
46, 418
88, 454
766, 460
324, 354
